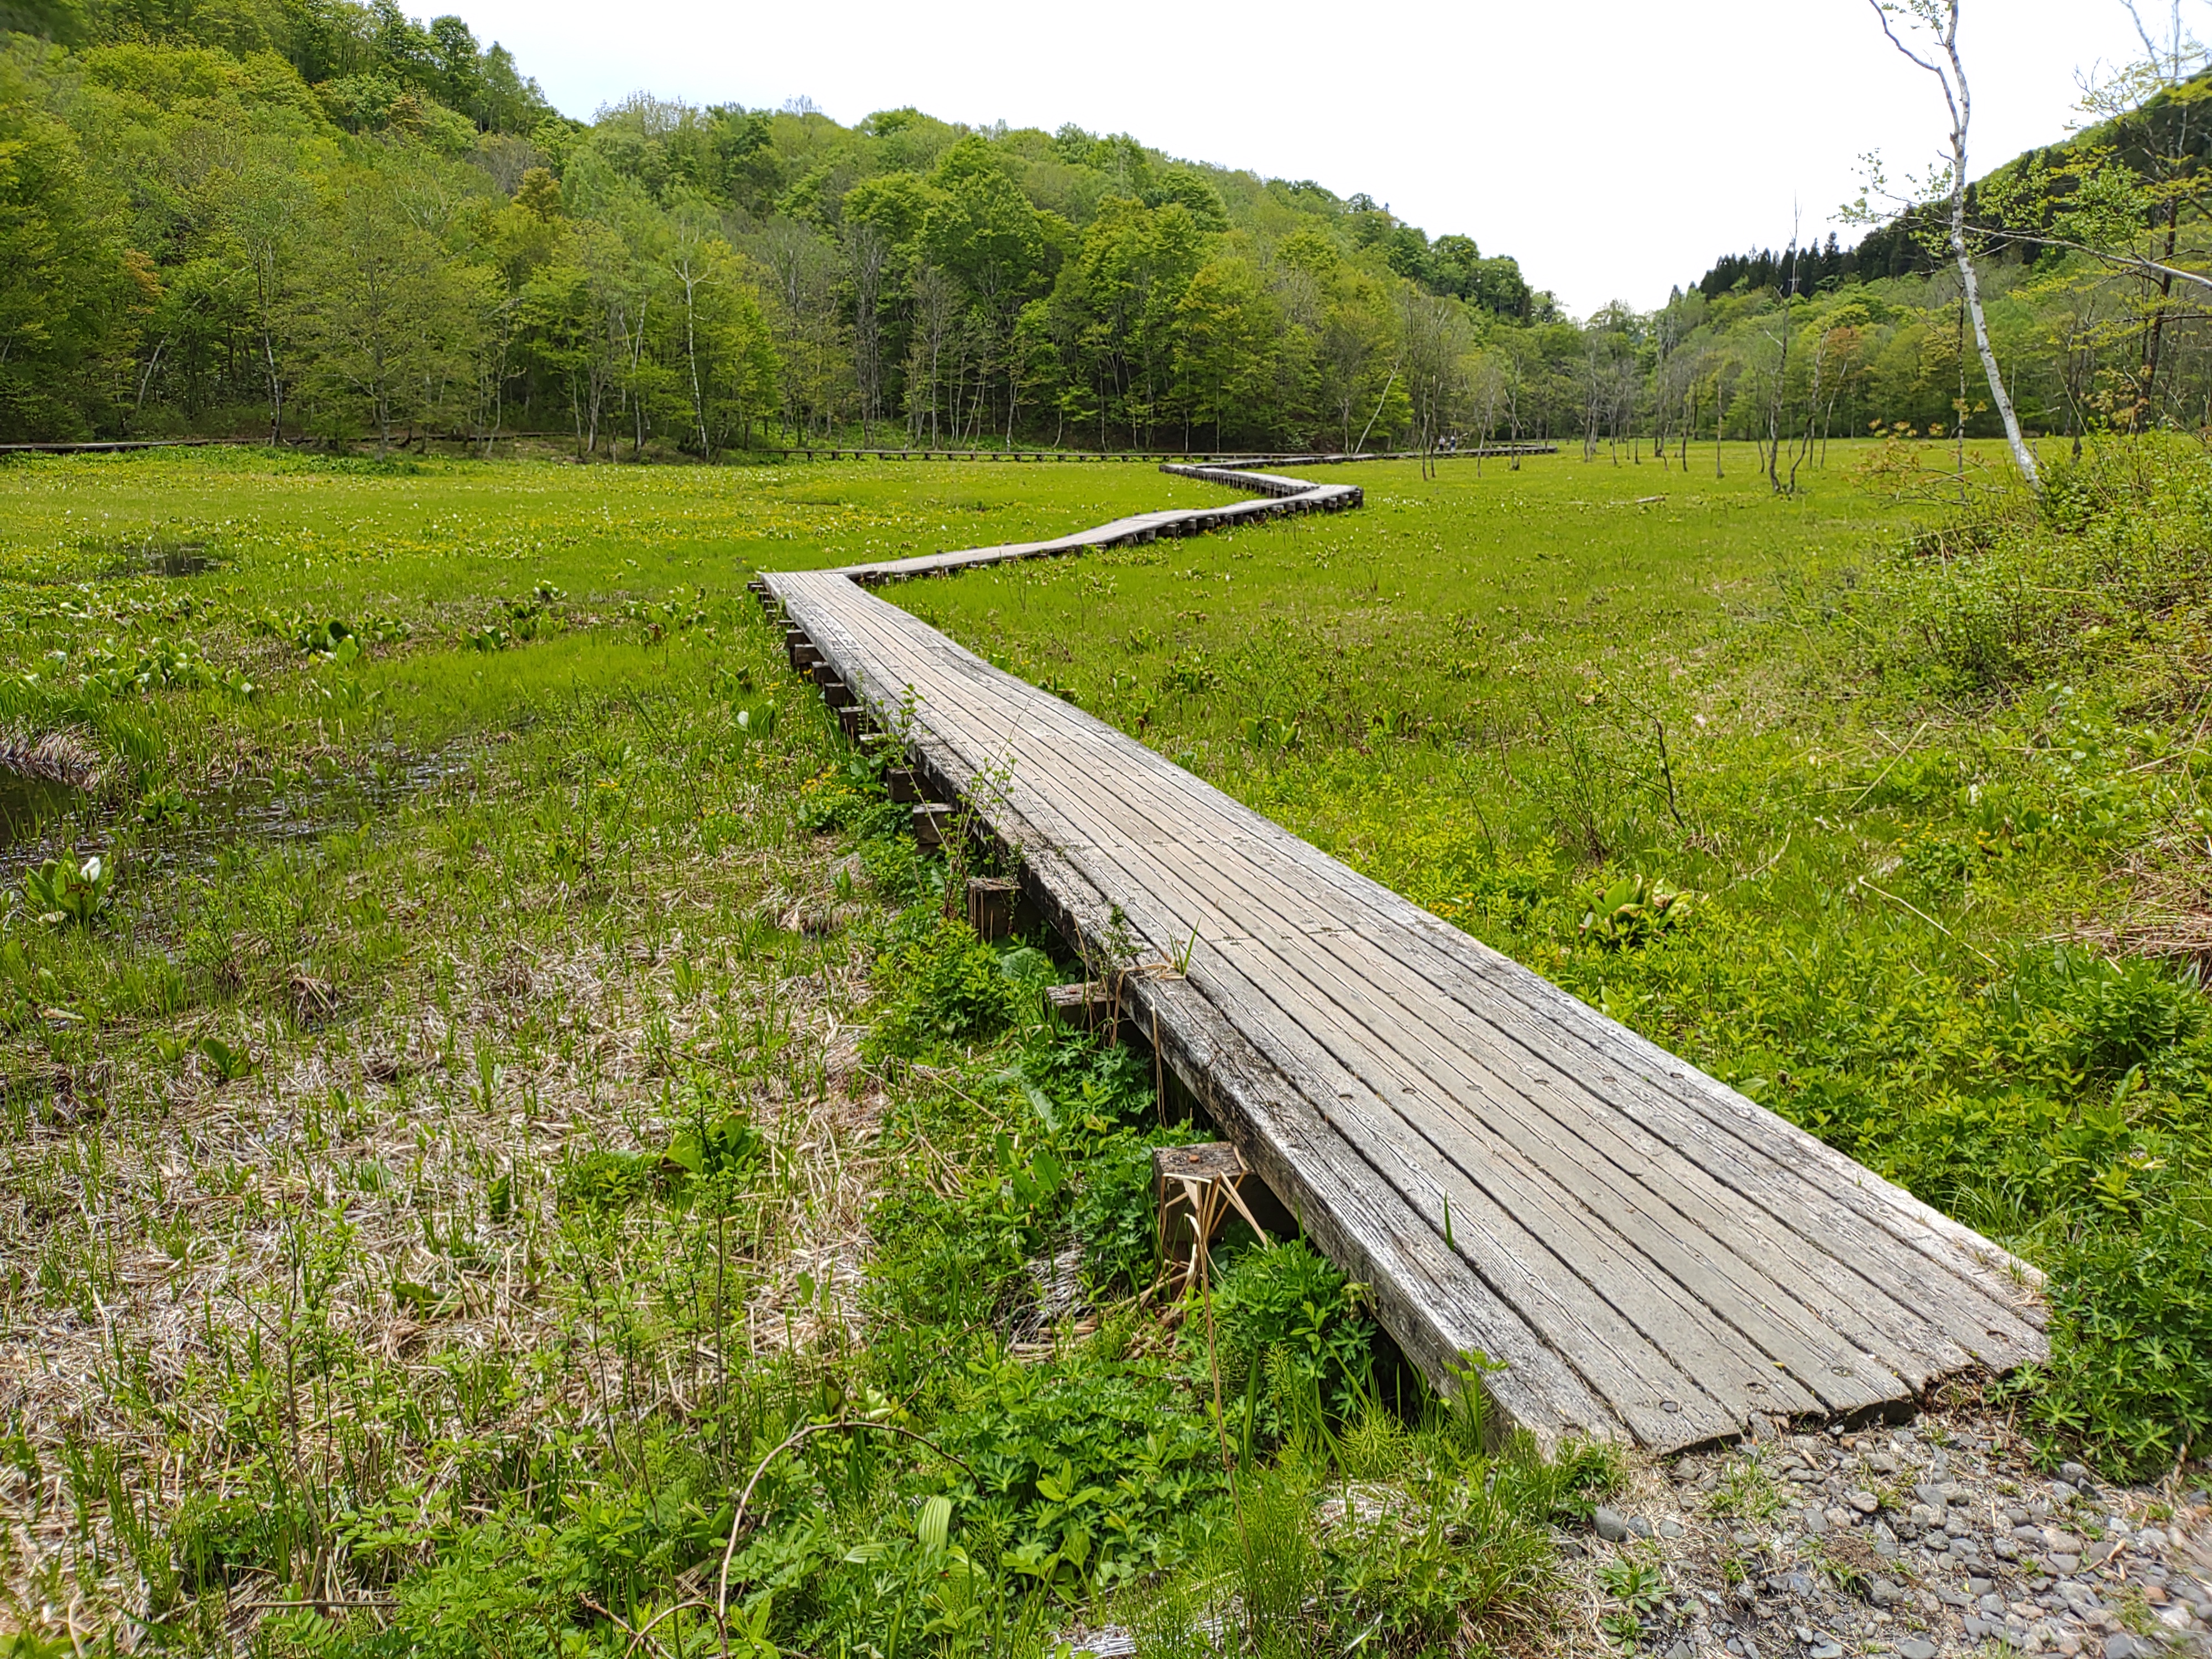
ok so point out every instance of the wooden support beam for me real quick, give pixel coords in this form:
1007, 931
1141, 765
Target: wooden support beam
853, 721
1082, 1007
1199, 1188
993, 902
931, 824
900, 782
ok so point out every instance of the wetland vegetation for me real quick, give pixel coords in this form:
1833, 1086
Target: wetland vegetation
1885, 813
507, 1146
488, 1078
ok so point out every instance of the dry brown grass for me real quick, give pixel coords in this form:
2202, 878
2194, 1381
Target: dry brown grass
63, 757
158, 1221
2163, 906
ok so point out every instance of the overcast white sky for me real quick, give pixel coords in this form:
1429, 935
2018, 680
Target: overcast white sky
1615, 147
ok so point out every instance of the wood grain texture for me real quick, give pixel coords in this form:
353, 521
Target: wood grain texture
1645, 1252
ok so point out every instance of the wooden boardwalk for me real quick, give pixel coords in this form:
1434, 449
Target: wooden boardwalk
1646, 1252
1280, 496
1072, 457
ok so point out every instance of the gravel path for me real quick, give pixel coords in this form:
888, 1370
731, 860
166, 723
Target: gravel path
1939, 1537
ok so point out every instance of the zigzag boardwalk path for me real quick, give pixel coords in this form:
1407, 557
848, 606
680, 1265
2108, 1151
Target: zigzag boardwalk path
1645, 1253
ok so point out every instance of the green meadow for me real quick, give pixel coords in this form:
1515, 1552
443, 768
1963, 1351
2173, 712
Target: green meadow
1877, 802
486, 1079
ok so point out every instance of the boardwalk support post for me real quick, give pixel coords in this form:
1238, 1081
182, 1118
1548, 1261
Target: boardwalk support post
1197, 1188
930, 824
999, 910
1081, 1007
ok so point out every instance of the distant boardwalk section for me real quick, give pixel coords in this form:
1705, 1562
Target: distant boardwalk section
1281, 495
1638, 1251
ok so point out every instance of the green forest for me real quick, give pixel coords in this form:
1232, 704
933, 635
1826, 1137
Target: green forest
326, 220
311, 219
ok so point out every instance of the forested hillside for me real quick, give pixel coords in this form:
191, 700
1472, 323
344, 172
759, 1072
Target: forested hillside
316, 219
311, 217
2091, 332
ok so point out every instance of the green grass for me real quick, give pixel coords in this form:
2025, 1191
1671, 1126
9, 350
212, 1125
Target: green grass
1923, 781
509, 1075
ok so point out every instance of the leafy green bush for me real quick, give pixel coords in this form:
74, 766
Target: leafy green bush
1625, 913
850, 795
2088, 1015
1093, 1474
605, 1182
2119, 545
1080, 1084
714, 1141
1289, 1310
2130, 1370
948, 987
1115, 1215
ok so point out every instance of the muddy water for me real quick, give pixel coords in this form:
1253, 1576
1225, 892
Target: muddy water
37, 820
29, 806
159, 555
298, 807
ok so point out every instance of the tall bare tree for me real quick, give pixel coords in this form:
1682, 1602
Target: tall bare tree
1432, 339
867, 254
936, 316
1938, 20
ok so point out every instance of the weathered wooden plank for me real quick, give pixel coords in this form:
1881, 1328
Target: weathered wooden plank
1912, 1281
1669, 1294
1143, 526
1438, 1310
1667, 1403
1648, 1251
1697, 1202
1794, 1147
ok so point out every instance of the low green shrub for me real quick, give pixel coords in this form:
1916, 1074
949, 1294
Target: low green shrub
850, 795
1093, 1474
2130, 1370
1288, 1312
1077, 1083
1116, 1213
2118, 550
948, 988
607, 1182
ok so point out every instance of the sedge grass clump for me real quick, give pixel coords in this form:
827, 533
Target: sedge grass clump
2111, 558
948, 989
1285, 1314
